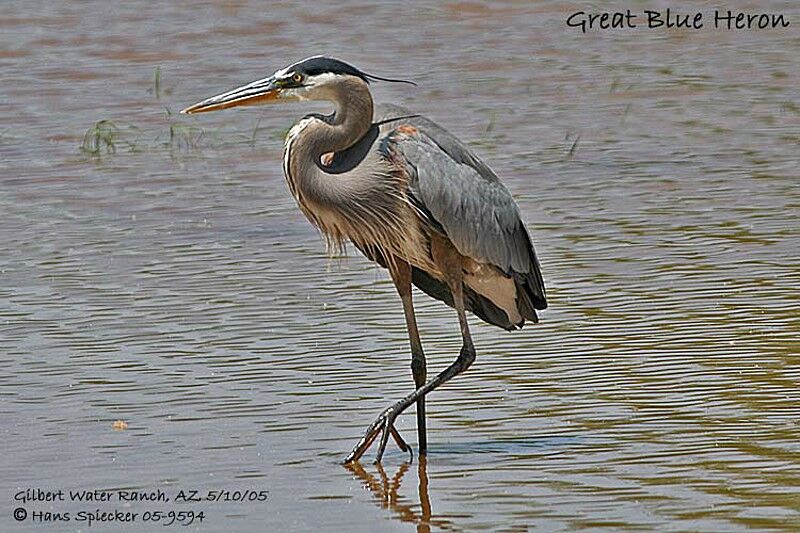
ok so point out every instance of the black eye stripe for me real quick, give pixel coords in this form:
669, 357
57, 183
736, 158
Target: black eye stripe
289, 82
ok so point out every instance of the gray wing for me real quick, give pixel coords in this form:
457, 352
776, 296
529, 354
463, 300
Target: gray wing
464, 199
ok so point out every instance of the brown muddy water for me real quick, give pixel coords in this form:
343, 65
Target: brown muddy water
174, 285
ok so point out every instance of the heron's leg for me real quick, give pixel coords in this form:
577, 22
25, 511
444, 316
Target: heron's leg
386, 419
401, 275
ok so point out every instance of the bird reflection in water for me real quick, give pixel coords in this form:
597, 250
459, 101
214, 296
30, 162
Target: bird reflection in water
385, 492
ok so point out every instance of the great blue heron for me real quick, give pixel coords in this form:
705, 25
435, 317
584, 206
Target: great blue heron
412, 198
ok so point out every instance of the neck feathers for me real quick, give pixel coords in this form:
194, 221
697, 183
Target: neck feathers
314, 136
364, 203
352, 117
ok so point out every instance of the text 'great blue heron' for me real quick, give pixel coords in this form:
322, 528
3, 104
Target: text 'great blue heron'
412, 198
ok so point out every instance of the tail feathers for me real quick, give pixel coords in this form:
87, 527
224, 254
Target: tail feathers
531, 284
528, 301
478, 305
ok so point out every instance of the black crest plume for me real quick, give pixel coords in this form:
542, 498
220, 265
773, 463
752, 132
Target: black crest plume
313, 66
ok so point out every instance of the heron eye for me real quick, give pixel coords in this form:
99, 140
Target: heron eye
297, 78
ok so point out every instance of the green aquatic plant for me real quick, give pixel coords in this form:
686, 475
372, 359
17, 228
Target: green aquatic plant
255, 133
180, 136
574, 146
105, 136
158, 87
157, 82
176, 135
184, 136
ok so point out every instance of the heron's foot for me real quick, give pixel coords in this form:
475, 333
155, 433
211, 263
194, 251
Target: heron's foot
383, 425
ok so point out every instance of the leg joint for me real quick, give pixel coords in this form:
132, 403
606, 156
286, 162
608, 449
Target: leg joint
466, 357
418, 363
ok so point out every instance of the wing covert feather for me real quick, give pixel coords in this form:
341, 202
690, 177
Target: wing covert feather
464, 198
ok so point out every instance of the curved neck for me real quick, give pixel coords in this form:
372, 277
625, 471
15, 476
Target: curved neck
350, 120
315, 136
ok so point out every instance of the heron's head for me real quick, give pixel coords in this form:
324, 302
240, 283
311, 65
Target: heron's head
309, 79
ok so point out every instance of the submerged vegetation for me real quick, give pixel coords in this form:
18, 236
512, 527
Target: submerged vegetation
105, 136
177, 134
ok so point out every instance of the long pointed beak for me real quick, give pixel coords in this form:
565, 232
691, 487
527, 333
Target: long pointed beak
257, 92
